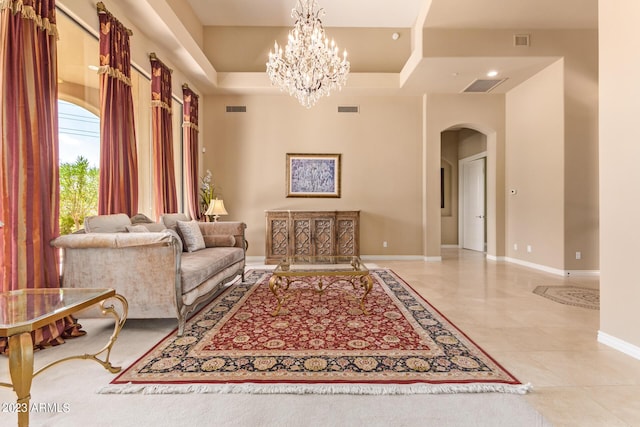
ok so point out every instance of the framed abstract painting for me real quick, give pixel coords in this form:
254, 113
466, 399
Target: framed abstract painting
313, 175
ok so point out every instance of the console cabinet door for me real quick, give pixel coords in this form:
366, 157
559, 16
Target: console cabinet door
348, 233
277, 238
314, 233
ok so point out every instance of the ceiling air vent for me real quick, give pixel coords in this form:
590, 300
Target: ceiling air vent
521, 40
348, 109
483, 85
236, 108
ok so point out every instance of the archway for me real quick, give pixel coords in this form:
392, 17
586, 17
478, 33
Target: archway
495, 199
463, 188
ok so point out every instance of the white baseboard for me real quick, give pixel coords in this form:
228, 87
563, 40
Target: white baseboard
450, 246
618, 344
392, 258
535, 266
583, 273
547, 269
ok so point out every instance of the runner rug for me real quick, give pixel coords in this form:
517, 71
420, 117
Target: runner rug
320, 342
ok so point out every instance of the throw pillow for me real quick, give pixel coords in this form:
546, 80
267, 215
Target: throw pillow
137, 229
141, 218
212, 241
191, 235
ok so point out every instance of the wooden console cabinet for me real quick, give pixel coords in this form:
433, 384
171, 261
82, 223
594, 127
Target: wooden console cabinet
292, 233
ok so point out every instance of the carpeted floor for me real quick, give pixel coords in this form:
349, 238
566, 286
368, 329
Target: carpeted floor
320, 343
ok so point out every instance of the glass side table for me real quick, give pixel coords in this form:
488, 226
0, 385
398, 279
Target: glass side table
26, 310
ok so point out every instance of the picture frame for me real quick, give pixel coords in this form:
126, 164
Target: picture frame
313, 175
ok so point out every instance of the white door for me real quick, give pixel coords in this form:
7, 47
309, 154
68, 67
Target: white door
473, 215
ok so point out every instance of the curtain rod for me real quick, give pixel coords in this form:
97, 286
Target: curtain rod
154, 57
103, 9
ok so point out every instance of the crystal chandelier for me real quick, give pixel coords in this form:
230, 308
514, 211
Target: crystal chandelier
310, 66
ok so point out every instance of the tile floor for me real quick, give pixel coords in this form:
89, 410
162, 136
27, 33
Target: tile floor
577, 381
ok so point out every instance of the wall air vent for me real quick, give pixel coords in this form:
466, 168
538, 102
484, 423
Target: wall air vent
348, 109
236, 108
483, 85
521, 40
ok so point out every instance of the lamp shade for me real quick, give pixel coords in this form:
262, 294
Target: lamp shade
216, 208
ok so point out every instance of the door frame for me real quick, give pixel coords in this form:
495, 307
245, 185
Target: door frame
461, 164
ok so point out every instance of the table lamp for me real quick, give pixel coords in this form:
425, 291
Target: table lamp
216, 208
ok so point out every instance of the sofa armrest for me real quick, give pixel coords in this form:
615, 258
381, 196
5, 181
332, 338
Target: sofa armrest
225, 228
113, 240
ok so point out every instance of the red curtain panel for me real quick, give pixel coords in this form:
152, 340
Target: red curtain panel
166, 199
118, 192
190, 143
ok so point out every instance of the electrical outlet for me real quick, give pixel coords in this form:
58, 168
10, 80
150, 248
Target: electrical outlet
529, 248
578, 255
384, 244
515, 246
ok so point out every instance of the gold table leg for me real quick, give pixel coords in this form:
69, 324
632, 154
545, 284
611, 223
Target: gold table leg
367, 284
276, 287
107, 348
21, 371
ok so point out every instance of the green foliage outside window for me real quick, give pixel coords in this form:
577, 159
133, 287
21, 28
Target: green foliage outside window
78, 194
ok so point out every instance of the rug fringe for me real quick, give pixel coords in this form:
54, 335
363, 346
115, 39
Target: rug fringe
365, 389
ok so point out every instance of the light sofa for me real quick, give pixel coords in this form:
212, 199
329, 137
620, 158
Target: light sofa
150, 268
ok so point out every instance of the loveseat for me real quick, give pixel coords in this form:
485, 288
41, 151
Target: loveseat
155, 266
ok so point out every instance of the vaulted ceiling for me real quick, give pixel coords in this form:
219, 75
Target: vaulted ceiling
229, 47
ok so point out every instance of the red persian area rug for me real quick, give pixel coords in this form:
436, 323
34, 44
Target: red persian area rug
320, 342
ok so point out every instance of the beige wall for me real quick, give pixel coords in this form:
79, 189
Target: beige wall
619, 171
471, 143
381, 162
535, 169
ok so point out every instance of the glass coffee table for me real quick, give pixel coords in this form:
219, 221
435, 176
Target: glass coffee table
329, 270
26, 310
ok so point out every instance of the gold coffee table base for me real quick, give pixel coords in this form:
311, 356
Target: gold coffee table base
53, 304
329, 269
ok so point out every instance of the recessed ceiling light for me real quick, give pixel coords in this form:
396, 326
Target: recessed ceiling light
492, 73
